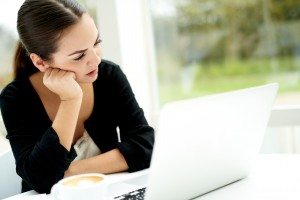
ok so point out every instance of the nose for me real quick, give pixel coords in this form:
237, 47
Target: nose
95, 58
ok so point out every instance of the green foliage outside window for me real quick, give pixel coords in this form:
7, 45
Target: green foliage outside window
220, 45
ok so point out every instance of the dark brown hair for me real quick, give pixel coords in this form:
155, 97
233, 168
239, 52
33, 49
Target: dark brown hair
40, 24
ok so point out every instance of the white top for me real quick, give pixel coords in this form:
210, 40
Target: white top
85, 147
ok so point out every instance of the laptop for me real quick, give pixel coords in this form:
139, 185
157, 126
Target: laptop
205, 143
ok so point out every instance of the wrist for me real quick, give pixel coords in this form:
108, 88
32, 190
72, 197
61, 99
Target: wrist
72, 99
77, 167
71, 171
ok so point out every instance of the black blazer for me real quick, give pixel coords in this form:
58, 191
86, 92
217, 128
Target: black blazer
41, 160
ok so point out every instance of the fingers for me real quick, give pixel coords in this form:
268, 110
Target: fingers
47, 72
56, 73
63, 83
70, 74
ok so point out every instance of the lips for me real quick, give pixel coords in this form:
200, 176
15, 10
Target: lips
92, 72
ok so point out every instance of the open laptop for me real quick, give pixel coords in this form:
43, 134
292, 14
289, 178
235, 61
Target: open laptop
205, 143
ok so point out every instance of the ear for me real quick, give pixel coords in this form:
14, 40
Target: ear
39, 62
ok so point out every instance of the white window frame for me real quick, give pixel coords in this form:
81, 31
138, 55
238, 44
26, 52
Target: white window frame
126, 29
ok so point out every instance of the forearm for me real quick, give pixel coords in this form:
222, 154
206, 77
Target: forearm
106, 163
66, 120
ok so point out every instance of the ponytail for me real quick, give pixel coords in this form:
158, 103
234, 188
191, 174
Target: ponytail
22, 64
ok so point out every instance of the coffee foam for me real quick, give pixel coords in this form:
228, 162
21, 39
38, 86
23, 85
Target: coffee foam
82, 181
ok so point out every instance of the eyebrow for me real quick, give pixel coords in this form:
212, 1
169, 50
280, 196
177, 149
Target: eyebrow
81, 51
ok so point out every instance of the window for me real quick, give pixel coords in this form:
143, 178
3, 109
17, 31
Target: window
8, 38
209, 46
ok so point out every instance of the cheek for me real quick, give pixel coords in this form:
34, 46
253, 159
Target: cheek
81, 69
77, 69
72, 68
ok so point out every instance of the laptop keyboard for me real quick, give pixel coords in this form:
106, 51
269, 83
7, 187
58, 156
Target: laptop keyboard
138, 194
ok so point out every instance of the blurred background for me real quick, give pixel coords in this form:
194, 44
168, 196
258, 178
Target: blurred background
179, 49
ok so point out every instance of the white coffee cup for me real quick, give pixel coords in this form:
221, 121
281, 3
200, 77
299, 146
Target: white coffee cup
84, 186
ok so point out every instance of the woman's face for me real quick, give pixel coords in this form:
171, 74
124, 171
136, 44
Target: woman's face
79, 50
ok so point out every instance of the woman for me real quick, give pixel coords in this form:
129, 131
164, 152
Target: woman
64, 105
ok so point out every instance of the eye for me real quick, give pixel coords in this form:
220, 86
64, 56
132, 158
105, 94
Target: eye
98, 42
80, 57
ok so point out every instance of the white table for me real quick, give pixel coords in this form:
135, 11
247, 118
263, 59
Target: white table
113, 178
274, 176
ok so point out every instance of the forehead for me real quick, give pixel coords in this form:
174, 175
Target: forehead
79, 36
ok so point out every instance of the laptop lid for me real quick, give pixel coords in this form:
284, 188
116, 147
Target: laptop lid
205, 143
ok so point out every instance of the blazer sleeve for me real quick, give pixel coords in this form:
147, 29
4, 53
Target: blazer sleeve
137, 137
40, 159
